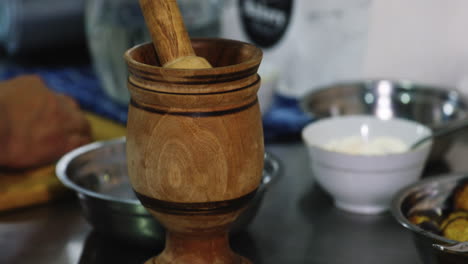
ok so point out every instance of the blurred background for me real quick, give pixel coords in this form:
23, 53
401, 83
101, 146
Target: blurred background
77, 46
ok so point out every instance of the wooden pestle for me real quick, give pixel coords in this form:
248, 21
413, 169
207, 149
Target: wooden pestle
169, 35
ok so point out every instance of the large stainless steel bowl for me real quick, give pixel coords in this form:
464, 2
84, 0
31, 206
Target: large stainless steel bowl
430, 194
97, 172
432, 106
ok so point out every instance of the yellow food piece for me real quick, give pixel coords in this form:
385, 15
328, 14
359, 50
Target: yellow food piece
461, 197
457, 229
41, 185
452, 216
418, 219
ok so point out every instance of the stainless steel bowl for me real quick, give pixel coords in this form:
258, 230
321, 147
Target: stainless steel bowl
435, 107
97, 172
430, 194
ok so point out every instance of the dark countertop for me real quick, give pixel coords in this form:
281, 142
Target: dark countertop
297, 223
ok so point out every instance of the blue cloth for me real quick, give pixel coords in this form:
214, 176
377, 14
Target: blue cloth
283, 122
78, 82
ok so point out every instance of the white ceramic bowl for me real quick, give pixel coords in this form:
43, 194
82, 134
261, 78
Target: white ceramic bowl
365, 183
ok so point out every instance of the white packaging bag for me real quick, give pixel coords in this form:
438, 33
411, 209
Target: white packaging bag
328, 41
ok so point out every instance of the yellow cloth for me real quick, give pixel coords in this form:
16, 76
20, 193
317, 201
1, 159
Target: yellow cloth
41, 185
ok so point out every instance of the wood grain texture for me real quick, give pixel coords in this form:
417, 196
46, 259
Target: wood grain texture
195, 146
197, 137
170, 37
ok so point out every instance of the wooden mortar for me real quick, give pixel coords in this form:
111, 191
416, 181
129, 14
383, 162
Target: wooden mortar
195, 146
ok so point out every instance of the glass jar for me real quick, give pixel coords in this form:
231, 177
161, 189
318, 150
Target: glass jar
114, 26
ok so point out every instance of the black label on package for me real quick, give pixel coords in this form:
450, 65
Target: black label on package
265, 21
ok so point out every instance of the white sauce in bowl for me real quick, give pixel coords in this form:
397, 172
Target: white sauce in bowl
358, 145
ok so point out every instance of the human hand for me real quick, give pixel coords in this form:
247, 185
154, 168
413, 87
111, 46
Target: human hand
37, 126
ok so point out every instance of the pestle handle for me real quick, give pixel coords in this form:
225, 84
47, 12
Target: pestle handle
170, 37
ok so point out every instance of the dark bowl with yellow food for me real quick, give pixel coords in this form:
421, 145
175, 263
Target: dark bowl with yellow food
435, 211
